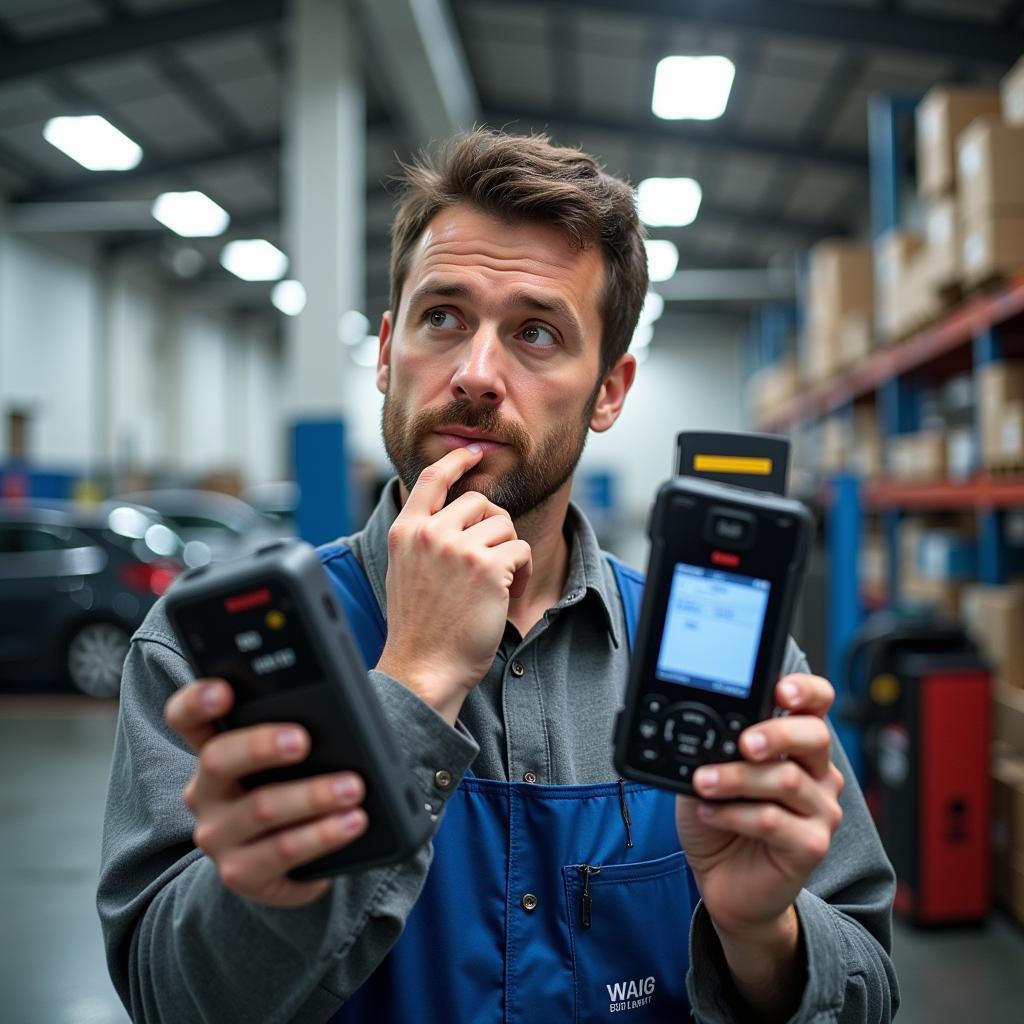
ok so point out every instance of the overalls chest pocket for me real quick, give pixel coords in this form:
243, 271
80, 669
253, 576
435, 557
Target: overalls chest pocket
629, 927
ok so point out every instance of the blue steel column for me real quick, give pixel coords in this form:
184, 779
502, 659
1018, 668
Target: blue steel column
843, 533
885, 114
325, 182
993, 556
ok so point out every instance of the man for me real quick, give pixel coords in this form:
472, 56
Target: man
556, 891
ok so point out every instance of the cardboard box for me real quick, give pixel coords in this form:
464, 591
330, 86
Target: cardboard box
962, 453
1008, 716
992, 247
840, 278
942, 234
944, 596
893, 253
856, 338
994, 616
874, 567
1000, 412
941, 116
990, 155
1011, 90
866, 452
920, 456
773, 386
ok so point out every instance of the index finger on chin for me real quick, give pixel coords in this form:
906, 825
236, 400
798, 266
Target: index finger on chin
430, 490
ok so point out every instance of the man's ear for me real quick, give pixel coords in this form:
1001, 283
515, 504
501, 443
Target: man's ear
614, 388
384, 353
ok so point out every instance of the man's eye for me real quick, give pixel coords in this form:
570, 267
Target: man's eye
539, 337
440, 318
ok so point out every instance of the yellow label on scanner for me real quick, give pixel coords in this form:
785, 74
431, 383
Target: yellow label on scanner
732, 464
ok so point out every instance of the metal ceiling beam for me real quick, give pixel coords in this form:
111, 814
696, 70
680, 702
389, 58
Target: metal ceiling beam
728, 286
652, 131
115, 39
113, 215
851, 27
420, 54
150, 168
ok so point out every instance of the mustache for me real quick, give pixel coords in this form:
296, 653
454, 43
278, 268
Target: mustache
461, 413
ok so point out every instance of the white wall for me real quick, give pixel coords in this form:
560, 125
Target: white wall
690, 381
50, 349
119, 374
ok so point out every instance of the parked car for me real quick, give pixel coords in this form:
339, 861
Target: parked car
214, 526
75, 583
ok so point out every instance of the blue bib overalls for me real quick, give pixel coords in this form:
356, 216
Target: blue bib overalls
535, 908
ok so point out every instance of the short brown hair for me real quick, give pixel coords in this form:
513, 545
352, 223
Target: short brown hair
526, 178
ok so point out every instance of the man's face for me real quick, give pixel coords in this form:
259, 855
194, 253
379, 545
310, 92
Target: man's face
497, 342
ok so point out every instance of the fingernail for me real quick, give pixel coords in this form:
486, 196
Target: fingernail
289, 741
212, 696
756, 742
791, 691
350, 822
707, 778
474, 448
344, 789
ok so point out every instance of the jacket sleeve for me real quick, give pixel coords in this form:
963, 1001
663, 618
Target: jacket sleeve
180, 946
845, 913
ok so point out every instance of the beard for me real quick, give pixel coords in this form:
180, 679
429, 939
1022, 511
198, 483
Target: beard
542, 467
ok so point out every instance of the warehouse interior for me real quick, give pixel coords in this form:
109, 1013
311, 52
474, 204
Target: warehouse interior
841, 264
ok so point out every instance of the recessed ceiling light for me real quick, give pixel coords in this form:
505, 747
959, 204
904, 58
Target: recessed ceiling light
668, 202
254, 259
662, 258
692, 87
289, 297
94, 142
191, 214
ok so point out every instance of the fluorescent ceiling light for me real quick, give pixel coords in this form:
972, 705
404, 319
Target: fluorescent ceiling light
662, 258
191, 214
94, 142
654, 306
692, 87
289, 297
254, 259
668, 202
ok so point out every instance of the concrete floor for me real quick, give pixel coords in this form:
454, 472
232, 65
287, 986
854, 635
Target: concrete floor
54, 758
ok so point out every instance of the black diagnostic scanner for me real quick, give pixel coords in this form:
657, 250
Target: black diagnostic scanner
723, 575
271, 625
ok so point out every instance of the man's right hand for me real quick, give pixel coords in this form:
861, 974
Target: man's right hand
256, 836
452, 570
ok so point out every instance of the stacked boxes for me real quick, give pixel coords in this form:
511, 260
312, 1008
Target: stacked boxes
1008, 833
995, 617
772, 387
942, 115
991, 198
934, 565
840, 308
896, 252
1001, 414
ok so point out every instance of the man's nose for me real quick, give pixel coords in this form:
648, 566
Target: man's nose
479, 376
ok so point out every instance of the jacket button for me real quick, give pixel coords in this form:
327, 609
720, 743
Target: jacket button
517, 669
529, 776
443, 778
529, 902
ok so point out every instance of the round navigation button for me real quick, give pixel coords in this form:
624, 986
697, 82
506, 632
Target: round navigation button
648, 728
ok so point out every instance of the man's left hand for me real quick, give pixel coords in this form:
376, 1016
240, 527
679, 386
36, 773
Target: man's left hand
765, 822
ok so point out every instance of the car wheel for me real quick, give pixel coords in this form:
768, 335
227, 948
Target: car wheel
95, 659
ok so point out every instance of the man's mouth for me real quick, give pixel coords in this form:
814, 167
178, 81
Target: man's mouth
461, 437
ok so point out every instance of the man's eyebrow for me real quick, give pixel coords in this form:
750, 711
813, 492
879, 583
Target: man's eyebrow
520, 299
